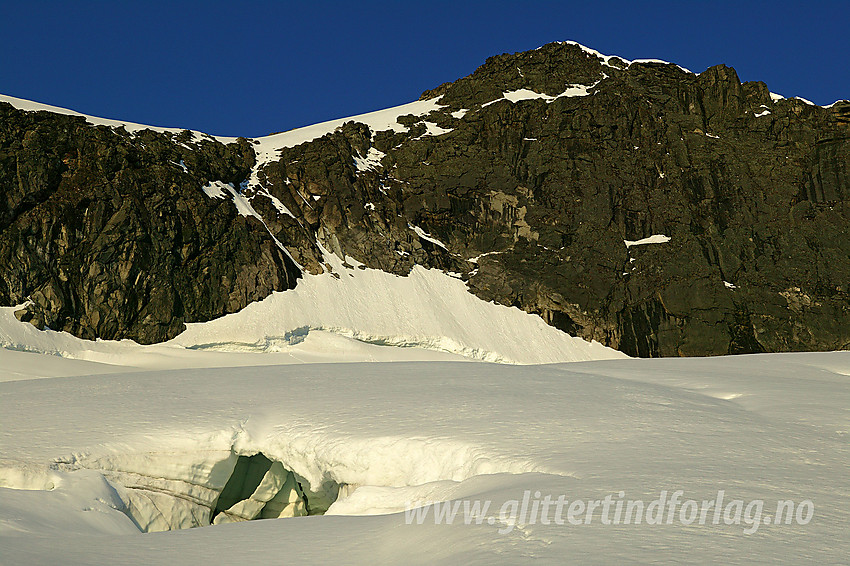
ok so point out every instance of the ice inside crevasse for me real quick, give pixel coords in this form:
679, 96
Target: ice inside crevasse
163, 496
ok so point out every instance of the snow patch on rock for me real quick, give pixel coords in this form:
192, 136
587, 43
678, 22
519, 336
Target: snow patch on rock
515, 96
427, 237
371, 161
607, 59
654, 239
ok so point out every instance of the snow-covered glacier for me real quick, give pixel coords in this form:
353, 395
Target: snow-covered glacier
90, 461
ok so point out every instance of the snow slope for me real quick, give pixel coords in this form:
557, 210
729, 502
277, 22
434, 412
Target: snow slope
351, 314
427, 309
55, 354
770, 427
377, 121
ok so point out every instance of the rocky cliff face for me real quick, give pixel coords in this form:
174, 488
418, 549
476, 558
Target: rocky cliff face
110, 236
529, 179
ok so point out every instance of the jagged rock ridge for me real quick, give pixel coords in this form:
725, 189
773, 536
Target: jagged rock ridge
528, 180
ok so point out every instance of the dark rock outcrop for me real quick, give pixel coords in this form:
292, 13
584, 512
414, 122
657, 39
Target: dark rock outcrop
109, 237
533, 200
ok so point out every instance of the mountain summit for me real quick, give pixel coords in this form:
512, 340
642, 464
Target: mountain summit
635, 203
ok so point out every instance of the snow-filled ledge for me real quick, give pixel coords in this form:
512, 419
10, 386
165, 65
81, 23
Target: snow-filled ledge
654, 239
514, 96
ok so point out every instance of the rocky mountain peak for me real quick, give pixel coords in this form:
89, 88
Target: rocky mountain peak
635, 203
546, 70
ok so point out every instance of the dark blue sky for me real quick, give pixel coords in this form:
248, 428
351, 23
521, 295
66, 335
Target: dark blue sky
251, 68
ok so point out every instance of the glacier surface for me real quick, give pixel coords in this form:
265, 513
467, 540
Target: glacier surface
79, 452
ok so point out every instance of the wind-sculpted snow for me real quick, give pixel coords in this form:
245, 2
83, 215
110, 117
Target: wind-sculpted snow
22, 343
